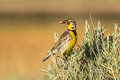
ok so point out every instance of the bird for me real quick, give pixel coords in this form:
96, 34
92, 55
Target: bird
66, 41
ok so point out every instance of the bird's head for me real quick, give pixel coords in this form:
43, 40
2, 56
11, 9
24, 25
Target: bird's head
71, 24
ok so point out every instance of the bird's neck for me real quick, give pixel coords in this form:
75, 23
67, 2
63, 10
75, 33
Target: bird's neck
72, 32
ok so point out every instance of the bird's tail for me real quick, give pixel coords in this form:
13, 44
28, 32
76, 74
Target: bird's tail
47, 57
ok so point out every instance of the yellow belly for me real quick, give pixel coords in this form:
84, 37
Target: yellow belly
72, 42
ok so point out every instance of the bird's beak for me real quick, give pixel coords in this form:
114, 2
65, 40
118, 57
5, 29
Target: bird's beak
63, 22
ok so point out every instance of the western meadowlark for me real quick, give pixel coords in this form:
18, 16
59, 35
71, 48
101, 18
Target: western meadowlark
66, 41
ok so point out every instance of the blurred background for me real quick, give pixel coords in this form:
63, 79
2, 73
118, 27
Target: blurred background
27, 26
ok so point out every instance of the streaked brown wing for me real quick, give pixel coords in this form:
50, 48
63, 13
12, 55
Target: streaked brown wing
62, 37
60, 43
60, 46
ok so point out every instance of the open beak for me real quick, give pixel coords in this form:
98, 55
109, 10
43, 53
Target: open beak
63, 22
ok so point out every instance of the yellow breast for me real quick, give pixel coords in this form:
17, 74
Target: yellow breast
72, 42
